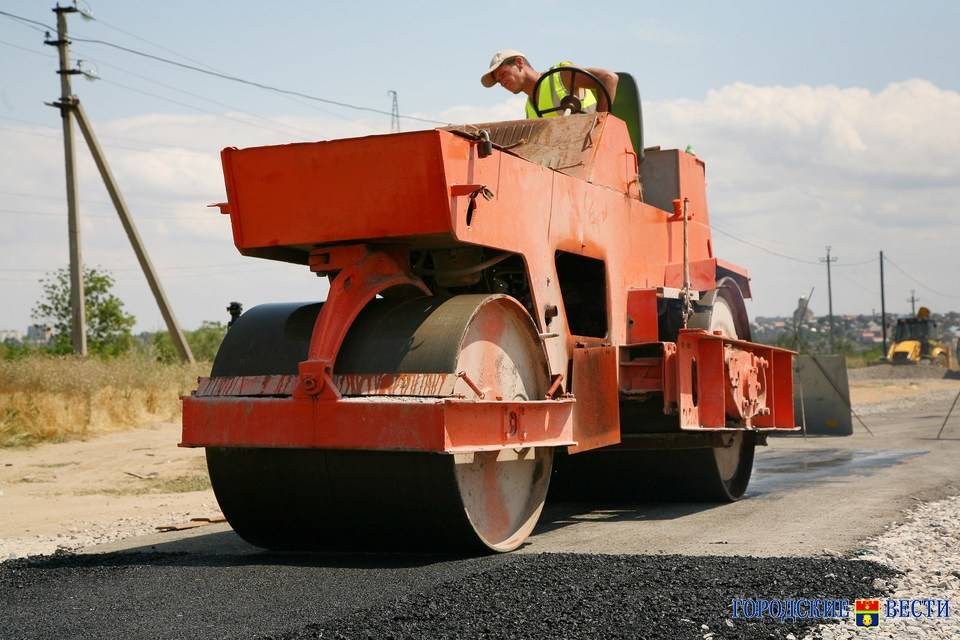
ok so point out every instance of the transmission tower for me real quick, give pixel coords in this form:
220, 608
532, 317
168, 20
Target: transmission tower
394, 112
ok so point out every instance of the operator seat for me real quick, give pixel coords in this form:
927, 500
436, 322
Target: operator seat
627, 107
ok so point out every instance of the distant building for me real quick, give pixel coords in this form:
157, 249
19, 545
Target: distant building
39, 333
803, 312
10, 334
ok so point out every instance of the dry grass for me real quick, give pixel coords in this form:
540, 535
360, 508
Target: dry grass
53, 399
179, 484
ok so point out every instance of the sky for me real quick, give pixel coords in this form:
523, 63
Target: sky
821, 123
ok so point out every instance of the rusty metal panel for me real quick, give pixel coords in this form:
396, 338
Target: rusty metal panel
317, 192
275, 385
596, 415
711, 383
723, 380
434, 385
642, 325
703, 274
641, 375
563, 144
380, 424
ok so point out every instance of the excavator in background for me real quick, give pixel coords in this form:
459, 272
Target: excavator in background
919, 340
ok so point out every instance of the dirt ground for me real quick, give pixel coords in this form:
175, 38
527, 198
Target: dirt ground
884, 388
77, 494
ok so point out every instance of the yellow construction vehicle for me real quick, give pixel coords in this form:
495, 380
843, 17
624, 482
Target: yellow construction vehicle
917, 340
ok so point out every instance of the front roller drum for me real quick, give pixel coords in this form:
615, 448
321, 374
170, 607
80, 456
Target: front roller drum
377, 500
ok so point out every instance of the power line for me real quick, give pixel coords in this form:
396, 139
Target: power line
211, 68
252, 83
763, 248
226, 76
784, 255
87, 201
918, 281
176, 268
855, 264
36, 53
194, 107
155, 44
206, 99
34, 212
151, 144
183, 91
121, 147
30, 22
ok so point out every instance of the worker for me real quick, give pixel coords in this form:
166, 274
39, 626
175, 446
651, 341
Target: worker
513, 71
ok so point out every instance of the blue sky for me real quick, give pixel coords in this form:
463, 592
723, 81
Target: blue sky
821, 123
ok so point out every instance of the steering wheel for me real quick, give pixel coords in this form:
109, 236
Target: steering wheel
570, 101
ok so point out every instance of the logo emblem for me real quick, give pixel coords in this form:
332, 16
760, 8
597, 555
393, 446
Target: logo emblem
867, 612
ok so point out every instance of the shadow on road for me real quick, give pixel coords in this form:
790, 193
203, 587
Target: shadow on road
557, 515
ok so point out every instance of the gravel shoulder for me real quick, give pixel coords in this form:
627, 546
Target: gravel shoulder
883, 389
925, 552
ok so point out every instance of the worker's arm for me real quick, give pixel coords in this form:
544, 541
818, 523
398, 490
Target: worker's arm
608, 78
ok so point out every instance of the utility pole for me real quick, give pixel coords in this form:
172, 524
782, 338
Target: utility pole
913, 303
828, 260
70, 108
394, 113
883, 309
78, 326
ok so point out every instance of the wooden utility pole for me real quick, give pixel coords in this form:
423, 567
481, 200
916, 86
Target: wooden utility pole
883, 309
78, 326
179, 340
70, 108
913, 303
828, 260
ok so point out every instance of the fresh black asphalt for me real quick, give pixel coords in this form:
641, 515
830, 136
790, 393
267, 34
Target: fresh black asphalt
284, 596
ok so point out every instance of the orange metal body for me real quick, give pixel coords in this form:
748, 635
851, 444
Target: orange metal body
356, 208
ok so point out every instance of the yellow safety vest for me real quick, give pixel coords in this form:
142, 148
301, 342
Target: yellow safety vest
552, 91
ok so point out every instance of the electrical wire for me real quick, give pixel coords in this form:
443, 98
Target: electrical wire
61, 214
36, 53
211, 68
195, 107
29, 22
784, 255
226, 76
151, 146
252, 83
917, 280
55, 136
856, 264
218, 103
761, 247
152, 43
84, 201
137, 268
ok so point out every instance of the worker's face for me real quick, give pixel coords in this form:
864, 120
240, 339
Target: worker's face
509, 77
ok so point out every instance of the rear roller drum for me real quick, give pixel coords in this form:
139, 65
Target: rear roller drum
369, 500
711, 474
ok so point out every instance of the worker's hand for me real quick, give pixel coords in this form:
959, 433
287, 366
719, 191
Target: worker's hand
608, 78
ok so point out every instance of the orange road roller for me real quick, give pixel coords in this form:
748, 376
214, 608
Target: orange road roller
515, 309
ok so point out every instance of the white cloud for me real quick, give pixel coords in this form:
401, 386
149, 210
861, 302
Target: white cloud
797, 168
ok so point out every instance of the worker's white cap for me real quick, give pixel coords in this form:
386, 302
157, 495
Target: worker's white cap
498, 59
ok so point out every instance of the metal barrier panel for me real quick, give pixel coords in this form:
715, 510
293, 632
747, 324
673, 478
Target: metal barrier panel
820, 382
